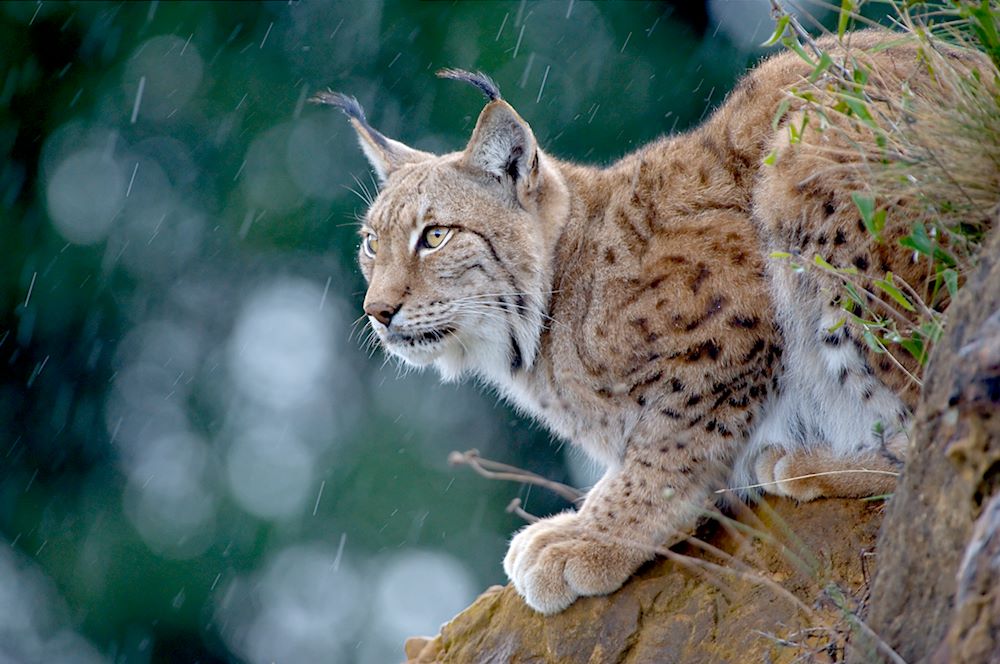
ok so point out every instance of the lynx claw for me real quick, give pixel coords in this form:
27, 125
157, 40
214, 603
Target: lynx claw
553, 562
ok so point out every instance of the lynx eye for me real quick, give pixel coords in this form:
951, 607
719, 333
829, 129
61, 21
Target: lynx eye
434, 237
370, 245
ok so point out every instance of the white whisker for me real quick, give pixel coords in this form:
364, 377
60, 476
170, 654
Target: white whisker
358, 194
368, 198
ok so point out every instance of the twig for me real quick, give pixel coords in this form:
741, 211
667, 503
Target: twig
712, 571
495, 470
799, 558
514, 507
927, 311
880, 645
890, 309
780, 641
777, 11
780, 591
745, 573
800, 33
899, 365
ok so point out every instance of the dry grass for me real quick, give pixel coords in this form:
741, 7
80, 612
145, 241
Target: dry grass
934, 151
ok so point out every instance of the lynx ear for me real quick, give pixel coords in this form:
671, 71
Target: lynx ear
384, 154
503, 146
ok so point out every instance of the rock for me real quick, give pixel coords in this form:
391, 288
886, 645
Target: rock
975, 623
700, 605
936, 596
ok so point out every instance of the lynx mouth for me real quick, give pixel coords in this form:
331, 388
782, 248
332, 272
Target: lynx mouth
427, 337
419, 348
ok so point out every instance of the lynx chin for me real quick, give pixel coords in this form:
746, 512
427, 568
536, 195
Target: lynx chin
634, 309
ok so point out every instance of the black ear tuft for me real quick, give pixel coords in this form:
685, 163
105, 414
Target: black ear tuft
480, 80
350, 107
384, 154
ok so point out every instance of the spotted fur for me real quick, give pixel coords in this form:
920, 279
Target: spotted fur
633, 310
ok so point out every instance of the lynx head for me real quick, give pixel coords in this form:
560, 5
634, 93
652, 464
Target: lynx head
456, 248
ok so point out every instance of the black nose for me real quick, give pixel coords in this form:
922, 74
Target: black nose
381, 311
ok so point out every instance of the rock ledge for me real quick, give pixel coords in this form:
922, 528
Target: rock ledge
677, 611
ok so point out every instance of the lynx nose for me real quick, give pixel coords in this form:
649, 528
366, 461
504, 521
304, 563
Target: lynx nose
381, 311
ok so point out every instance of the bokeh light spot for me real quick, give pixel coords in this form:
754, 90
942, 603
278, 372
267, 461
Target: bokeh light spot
161, 76
84, 195
269, 472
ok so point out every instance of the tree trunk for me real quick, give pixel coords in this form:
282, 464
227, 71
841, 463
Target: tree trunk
936, 595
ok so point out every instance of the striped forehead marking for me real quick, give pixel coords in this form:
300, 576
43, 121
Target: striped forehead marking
401, 210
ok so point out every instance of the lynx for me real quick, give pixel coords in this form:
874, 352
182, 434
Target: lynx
634, 309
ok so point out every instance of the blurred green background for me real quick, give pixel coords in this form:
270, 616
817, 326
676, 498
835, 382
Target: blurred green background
198, 460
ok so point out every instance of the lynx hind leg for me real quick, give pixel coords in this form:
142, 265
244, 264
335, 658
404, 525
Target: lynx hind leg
808, 474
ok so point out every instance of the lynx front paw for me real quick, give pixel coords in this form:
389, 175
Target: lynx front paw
559, 559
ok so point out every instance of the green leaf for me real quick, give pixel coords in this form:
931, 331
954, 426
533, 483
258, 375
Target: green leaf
983, 22
852, 292
780, 254
890, 289
865, 205
795, 133
878, 222
783, 107
779, 30
881, 496
824, 63
872, 342
915, 347
860, 109
950, 280
861, 322
846, 9
918, 240
860, 74
793, 44
819, 260
942, 256
932, 329
836, 326
873, 221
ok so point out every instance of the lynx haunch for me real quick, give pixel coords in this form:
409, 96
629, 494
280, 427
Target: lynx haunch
634, 310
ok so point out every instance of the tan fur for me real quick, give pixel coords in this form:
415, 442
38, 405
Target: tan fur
817, 473
634, 311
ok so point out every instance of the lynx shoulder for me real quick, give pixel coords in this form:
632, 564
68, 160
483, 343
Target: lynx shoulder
635, 312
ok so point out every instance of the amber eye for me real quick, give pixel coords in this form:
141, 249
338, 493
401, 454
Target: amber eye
370, 245
434, 237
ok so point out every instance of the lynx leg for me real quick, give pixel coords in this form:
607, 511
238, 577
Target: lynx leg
819, 473
649, 501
